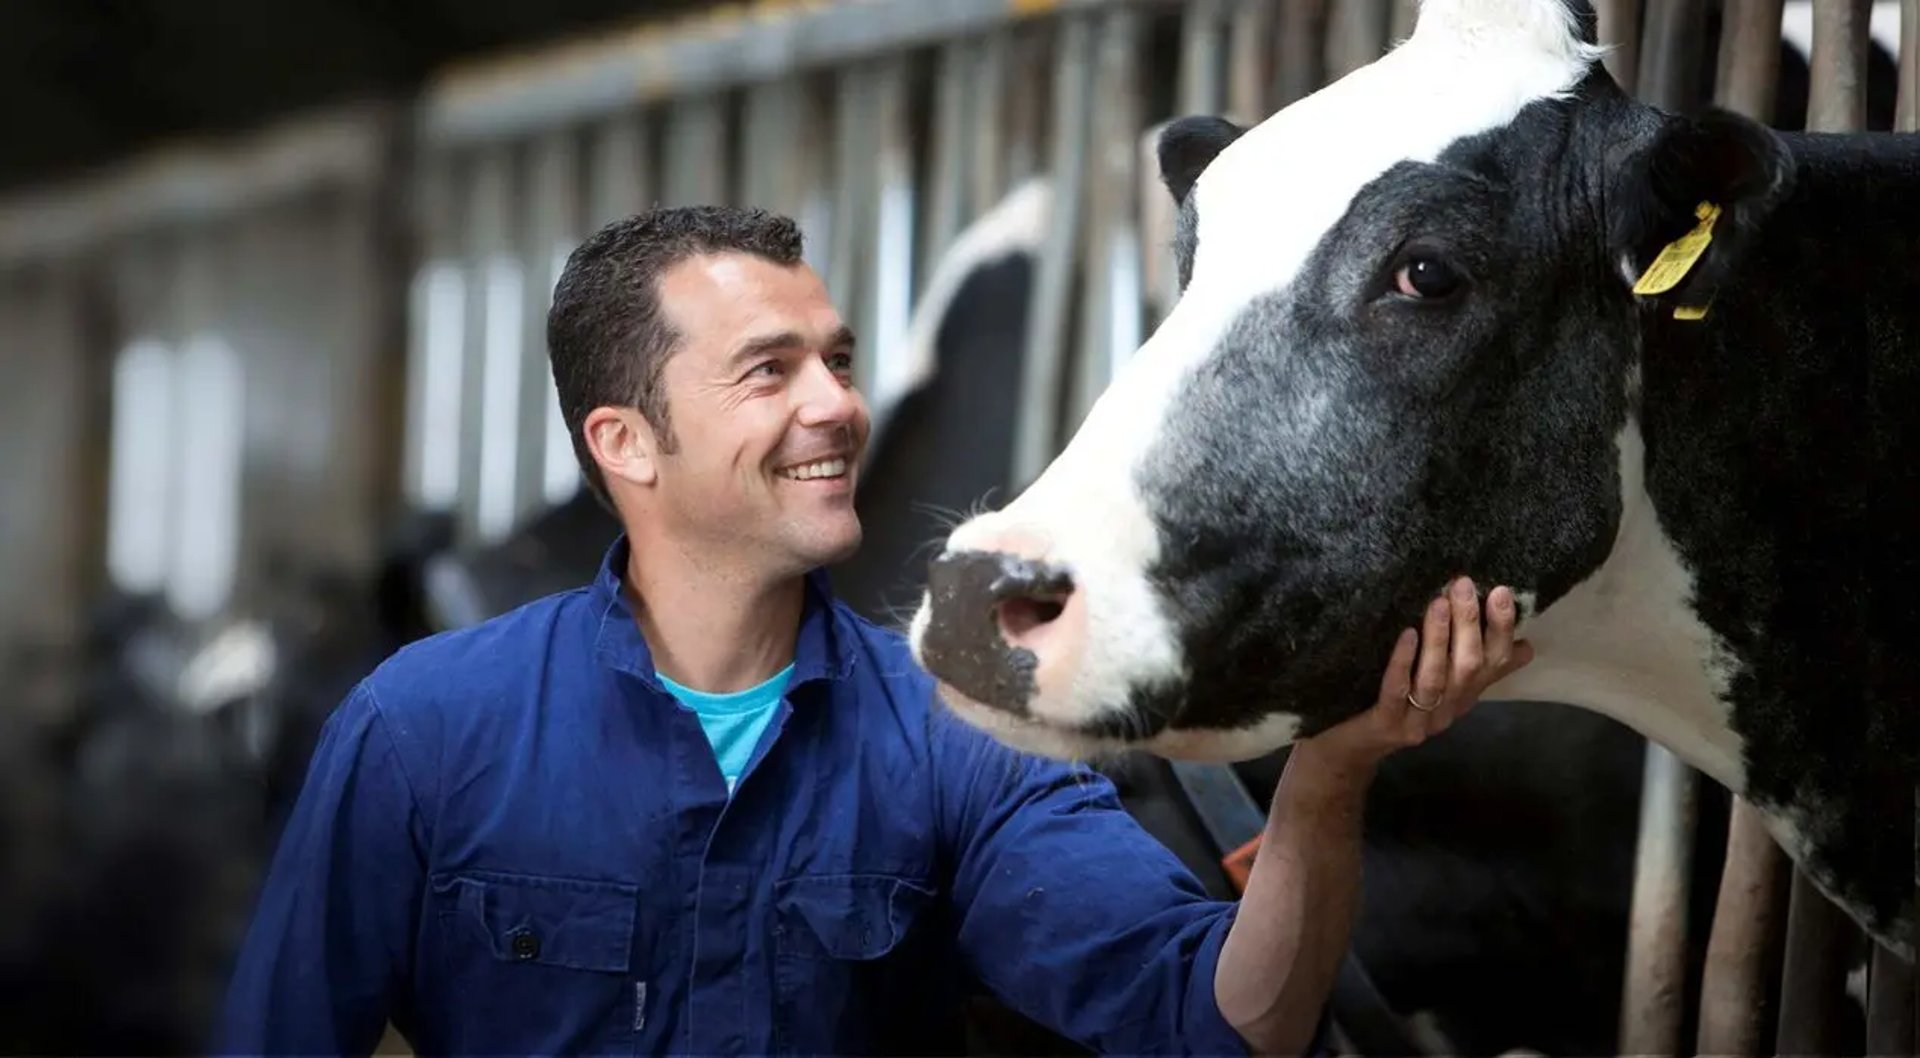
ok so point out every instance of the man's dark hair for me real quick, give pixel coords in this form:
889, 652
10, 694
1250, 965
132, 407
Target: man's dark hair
607, 338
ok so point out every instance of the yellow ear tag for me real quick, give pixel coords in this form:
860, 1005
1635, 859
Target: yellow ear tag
1690, 312
1679, 256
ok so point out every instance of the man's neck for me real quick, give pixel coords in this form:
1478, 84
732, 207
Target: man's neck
712, 631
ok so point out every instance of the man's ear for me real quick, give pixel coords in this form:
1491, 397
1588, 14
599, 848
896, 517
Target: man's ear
622, 443
1187, 146
1688, 203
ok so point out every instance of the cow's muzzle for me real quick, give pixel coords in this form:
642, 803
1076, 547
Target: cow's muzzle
994, 620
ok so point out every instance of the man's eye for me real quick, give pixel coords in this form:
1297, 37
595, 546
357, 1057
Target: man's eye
767, 368
841, 361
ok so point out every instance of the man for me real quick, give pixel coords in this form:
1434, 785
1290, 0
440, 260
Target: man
700, 807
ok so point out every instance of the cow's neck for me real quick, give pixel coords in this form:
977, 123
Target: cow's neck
1754, 613
1624, 642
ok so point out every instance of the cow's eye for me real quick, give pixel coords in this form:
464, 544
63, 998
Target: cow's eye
1428, 278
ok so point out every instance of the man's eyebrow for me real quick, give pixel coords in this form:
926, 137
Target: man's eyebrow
766, 343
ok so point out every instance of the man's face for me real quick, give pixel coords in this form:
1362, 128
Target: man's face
760, 398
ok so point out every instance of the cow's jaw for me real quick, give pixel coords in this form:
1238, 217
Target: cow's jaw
1625, 642
1098, 676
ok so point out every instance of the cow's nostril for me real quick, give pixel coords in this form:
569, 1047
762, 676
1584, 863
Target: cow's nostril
1019, 616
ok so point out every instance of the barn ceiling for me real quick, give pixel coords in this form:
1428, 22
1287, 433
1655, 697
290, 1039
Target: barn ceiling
83, 82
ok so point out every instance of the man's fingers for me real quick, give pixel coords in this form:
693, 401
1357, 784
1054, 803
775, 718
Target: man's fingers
1398, 679
1500, 620
1430, 681
1467, 651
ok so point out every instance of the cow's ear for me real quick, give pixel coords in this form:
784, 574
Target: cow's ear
1187, 146
1690, 200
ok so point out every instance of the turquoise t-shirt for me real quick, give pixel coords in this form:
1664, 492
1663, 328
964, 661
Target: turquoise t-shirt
733, 721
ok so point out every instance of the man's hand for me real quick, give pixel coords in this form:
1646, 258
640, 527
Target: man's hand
1456, 665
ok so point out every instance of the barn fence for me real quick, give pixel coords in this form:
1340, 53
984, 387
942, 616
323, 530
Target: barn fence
234, 362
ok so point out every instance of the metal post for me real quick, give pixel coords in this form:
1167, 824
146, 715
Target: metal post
1749, 73
1110, 301
1299, 59
1744, 945
491, 364
1890, 1006
889, 279
948, 210
1672, 41
856, 113
1619, 29
1356, 35
1651, 1006
986, 171
1202, 58
1405, 14
1250, 70
695, 154
1036, 438
1837, 69
546, 464
620, 170
1159, 281
1906, 113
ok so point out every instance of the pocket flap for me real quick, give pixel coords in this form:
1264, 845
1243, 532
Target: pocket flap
584, 925
848, 916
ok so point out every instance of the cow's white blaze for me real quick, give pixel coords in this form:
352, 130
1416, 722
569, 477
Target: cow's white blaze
1263, 206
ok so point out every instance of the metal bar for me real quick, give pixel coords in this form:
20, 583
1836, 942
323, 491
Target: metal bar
545, 463
1813, 980
1744, 944
1651, 1005
1299, 58
1672, 41
505, 98
986, 171
1619, 30
1249, 61
856, 111
1749, 72
948, 159
484, 441
1405, 14
1159, 280
1202, 57
1906, 111
1228, 813
1110, 301
1890, 1007
1356, 35
620, 170
889, 280
694, 156
768, 148
1837, 69
1036, 439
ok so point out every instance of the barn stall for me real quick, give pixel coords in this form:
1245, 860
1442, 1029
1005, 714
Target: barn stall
311, 341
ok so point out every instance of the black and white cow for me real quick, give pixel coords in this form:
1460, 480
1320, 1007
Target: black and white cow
1408, 346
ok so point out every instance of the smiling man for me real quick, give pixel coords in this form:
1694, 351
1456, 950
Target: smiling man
701, 807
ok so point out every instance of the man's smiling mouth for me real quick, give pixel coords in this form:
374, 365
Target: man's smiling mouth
820, 468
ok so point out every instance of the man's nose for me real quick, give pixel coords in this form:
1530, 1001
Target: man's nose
994, 621
825, 399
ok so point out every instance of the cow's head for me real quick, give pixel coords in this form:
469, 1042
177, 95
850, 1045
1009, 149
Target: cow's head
1405, 348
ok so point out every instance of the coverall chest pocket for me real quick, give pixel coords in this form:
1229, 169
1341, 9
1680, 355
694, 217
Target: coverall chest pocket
836, 939
540, 964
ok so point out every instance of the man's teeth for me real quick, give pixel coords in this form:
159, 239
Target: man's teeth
825, 468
